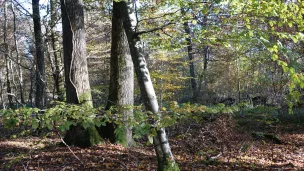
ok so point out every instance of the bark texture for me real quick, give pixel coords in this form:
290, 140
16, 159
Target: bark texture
76, 70
121, 87
19, 69
40, 68
165, 158
56, 69
7, 60
191, 58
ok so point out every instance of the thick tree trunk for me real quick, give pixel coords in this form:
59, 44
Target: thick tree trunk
121, 89
40, 70
76, 70
164, 156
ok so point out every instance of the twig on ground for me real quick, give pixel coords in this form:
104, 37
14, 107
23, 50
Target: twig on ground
69, 148
215, 157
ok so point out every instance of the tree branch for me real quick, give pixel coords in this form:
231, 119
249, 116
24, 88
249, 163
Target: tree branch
154, 29
18, 4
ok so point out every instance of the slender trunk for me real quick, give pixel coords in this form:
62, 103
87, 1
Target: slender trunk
191, 58
76, 70
12, 69
1, 94
19, 69
121, 89
202, 78
165, 158
32, 76
56, 74
40, 71
48, 54
238, 80
7, 60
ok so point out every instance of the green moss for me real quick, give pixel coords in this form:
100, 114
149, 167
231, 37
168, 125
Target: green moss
168, 166
172, 166
80, 137
86, 98
94, 137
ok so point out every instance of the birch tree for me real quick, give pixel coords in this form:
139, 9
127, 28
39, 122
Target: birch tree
165, 158
18, 60
7, 59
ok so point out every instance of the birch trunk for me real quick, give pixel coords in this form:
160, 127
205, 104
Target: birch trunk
164, 156
7, 60
19, 70
76, 70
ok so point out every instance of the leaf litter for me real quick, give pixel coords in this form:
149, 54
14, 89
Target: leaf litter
218, 145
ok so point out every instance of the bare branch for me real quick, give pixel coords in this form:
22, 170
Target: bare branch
69, 148
27, 12
154, 29
153, 18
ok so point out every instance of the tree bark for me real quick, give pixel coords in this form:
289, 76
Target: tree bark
121, 89
164, 156
191, 57
7, 60
76, 70
40, 68
20, 72
56, 74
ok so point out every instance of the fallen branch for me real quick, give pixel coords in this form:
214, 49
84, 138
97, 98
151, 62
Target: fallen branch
69, 148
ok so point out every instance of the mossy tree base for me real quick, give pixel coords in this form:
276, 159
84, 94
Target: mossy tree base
168, 166
115, 134
108, 132
80, 137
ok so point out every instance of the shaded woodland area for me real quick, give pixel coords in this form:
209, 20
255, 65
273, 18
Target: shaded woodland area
151, 85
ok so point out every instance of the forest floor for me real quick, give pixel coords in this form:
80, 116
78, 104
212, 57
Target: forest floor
228, 143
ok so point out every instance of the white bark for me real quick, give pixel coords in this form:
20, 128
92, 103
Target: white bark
162, 147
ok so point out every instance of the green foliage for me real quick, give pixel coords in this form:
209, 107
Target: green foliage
259, 117
62, 116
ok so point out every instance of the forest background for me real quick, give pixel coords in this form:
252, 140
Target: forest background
68, 67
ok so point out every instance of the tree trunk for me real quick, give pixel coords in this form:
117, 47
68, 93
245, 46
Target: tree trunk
121, 89
164, 156
76, 70
1, 94
20, 72
7, 60
191, 57
56, 74
203, 76
40, 70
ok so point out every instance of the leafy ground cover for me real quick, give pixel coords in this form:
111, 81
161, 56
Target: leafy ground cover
226, 143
